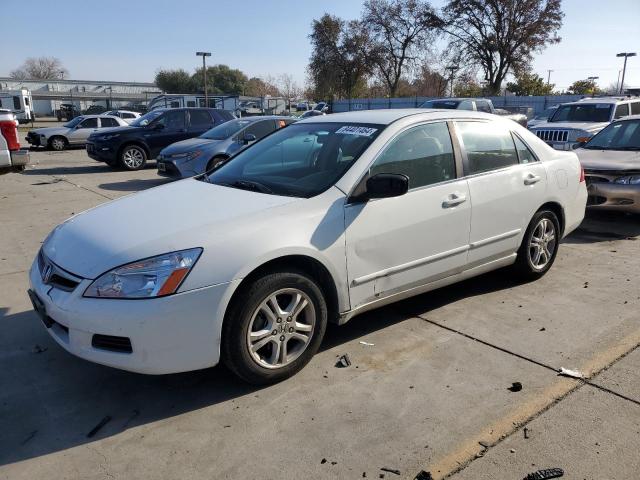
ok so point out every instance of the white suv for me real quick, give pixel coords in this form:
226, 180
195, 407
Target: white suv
574, 123
11, 156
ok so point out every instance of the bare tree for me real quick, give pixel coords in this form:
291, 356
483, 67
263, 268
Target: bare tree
41, 68
501, 35
400, 29
288, 87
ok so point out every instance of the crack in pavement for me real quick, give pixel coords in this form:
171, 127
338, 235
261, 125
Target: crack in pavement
63, 179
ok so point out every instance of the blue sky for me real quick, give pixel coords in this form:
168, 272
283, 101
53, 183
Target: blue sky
131, 40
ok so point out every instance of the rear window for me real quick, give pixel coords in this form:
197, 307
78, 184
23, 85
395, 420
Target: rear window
16, 103
444, 104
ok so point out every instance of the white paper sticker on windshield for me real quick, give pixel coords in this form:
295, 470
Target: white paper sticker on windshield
353, 130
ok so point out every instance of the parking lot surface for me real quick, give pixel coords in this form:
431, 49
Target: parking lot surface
431, 393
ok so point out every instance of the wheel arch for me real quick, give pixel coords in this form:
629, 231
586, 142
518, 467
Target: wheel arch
556, 208
221, 155
57, 135
307, 264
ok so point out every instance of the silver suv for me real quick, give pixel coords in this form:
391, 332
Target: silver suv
574, 123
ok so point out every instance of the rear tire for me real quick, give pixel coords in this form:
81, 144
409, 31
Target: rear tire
58, 143
539, 246
133, 157
274, 327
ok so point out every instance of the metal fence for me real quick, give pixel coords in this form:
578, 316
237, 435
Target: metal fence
539, 103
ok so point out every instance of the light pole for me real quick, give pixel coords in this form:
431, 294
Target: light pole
593, 81
110, 100
453, 69
624, 68
204, 56
549, 77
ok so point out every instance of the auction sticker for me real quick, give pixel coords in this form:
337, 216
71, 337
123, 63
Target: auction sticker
353, 130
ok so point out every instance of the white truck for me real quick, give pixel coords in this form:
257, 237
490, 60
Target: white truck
19, 102
574, 123
12, 157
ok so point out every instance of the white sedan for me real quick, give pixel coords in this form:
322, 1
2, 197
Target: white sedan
317, 222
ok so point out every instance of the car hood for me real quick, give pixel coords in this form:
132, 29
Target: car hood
609, 160
188, 145
48, 131
177, 216
591, 127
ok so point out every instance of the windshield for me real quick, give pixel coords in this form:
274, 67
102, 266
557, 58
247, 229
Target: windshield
445, 104
545, 115
73, 122
147, 118
301, 160
225, 130
591, 112
617, 136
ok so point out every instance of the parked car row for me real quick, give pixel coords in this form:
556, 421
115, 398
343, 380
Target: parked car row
76, 132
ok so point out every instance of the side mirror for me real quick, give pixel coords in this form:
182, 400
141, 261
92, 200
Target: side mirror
385, 185
158, 126
248, 138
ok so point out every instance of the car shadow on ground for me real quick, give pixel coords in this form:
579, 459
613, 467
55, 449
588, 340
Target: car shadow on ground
601, 226
134, 184
67, 170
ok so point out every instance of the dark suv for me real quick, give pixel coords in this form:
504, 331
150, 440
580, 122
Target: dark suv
130, 147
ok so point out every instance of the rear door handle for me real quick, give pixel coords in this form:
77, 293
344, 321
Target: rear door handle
453, 200
530, 179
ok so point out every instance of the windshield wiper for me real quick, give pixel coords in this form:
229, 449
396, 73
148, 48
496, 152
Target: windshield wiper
246, 185
628, 148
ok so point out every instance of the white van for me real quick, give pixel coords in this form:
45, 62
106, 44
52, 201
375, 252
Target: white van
19, 102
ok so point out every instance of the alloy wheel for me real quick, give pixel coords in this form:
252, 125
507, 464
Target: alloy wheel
281, 328
57, 144
132, 158
542, 244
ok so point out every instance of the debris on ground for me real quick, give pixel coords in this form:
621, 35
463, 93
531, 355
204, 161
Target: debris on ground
512, 450
323, 461
344, 361
29, 438
38, 349
515, 387
526, 432
565, 372
484, 444
391, 470
97, 428
542, 329
134, 414
50, 182
423, 476
367, 344
545, 474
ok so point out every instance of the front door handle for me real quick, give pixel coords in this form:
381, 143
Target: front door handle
453, 200
530, 179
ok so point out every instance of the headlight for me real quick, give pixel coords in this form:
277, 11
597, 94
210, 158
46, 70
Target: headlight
147, 278
108, 136
188, 156
628, 180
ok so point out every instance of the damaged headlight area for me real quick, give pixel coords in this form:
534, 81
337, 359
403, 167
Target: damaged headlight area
148, 278
628, 180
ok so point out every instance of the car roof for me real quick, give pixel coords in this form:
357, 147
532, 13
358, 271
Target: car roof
255, 118
611, 100
388, 116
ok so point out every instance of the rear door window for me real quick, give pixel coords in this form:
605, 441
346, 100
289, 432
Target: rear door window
108, 122
488, 147
525, 155
89, 123
200, 120
622, 110
172, 120
635, 108
16, 103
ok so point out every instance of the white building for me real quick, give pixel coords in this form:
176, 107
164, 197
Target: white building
49, 94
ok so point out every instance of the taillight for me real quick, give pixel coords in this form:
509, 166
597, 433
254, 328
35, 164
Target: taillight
581, 173
10, 133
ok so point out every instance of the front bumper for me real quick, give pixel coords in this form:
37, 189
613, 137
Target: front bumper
35, 139
178, 168
614, 196
101, 152
172, 334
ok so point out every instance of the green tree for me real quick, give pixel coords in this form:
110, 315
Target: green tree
584, 87
221, 79
500, 36
175, 81
467, 86
530, 84
339, 65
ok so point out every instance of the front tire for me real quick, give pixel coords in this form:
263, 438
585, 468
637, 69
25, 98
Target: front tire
539, 246
58, 143
273, 327
215, 162
133, 157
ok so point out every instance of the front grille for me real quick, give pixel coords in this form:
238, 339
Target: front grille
111, 343
53, 275
553, 135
